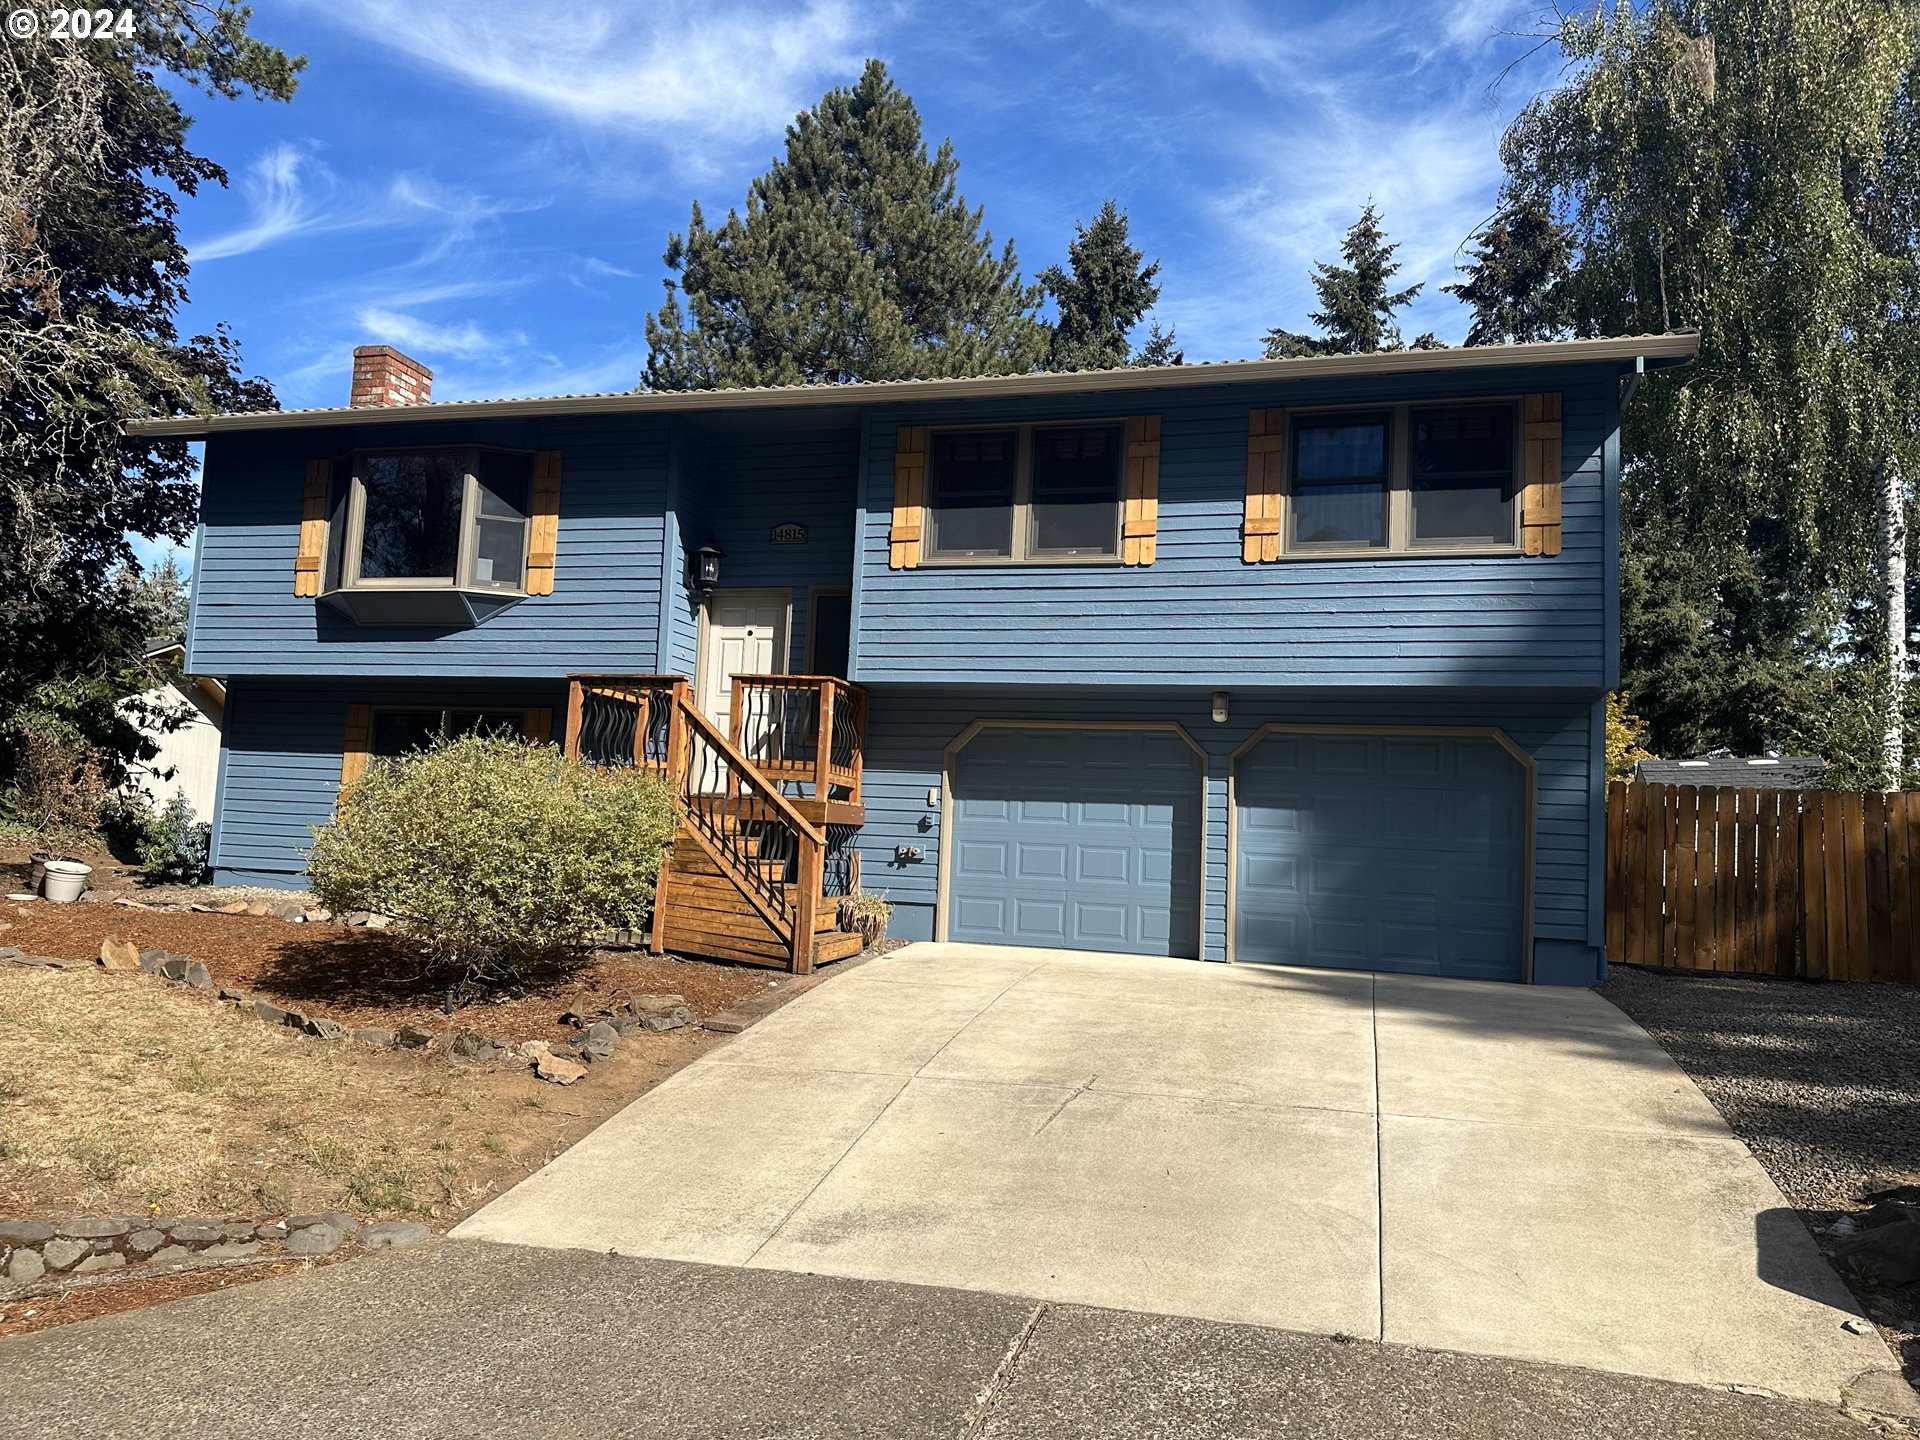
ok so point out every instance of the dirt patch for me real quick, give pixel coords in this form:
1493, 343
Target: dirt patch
124, 1094
368, 977
43, 1312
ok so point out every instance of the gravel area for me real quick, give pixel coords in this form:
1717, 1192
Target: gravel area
1822, 1081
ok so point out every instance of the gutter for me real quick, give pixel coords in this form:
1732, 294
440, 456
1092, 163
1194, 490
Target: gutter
1668, 349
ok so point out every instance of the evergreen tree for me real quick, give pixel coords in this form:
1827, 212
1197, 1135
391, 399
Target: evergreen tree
855, 259
1356, 307
93, 165
1101, 296
1161, 348
1747, 168
1517, 274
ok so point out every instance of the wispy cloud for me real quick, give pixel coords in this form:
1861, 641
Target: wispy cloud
426, 339
723, 70
277, 193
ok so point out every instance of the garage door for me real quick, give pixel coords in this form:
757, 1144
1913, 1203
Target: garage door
1085, 839
1381, 852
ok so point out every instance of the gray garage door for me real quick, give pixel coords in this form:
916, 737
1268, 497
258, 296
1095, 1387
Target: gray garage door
1085, 839
1376, 852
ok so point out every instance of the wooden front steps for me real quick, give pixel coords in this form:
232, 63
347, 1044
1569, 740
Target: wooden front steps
767, 811
700, 911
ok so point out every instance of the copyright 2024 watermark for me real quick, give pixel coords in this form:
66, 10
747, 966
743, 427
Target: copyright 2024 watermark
59, 24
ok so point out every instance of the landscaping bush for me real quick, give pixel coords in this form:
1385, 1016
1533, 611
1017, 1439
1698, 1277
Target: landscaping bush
58, 786
499, 858
173, 846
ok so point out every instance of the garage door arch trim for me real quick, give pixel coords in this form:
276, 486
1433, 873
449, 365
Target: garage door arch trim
1529, 776
942, 909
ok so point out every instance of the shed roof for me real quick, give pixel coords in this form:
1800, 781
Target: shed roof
1758, 772
1654, 350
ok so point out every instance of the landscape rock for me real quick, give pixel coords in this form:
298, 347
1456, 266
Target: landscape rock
339, 1220
119, 954
268, 1011
260, 908
152, 956
1886, 1256
657, 1004
301, 1222
391, 1234
174, 967
198, 1234
379, 922
93, 1227
670, 1020
319, 917
231, 1250
558, 1069
25, 1232
64, 1254
356, 917
25, 1266
238, 997
142, 1243
296, 913
295, 1020
322, 1028
237, 1229
413, 1037
468, 1045
274, 1230
108, 1260
534, 1049
173, 1255
374, 1035
232, 907
314, 1240
198, 976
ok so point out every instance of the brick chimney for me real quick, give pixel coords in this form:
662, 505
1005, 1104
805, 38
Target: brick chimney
383, 376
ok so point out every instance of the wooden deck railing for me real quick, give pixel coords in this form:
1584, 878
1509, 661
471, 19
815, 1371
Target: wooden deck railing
735, 804
1815, 884
778, 722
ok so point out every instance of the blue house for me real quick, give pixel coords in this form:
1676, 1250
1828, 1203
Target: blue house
1297, 662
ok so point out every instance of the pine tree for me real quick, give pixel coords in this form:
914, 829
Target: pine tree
1518, 273
1161, 347
855, 259
1356, 308
1102, 295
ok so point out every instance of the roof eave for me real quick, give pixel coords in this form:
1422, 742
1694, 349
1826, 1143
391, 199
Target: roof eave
1656, 350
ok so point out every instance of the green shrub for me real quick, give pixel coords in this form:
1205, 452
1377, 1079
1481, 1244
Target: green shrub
173, 846
497, 857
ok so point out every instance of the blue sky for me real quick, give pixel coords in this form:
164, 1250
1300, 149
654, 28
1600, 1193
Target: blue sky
489, 184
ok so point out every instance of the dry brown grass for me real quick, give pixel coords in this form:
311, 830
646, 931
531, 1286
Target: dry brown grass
123, 1094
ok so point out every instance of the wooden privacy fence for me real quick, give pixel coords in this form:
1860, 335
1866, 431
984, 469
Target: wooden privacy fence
1812, 883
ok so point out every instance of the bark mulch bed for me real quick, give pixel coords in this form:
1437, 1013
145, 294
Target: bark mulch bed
367, 977
43, 1312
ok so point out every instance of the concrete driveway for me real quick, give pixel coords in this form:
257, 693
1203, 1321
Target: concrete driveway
1493, 1169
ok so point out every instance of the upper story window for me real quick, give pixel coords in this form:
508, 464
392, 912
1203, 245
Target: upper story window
1029, 494
424, 519
1407, 479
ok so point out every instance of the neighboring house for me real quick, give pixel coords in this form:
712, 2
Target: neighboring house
1757, 772
1297, 661
188, 757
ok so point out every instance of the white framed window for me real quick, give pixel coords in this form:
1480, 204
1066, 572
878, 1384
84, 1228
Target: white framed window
1025, 494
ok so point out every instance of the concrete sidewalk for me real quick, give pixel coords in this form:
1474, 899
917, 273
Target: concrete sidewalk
1496, 1169
465, 1340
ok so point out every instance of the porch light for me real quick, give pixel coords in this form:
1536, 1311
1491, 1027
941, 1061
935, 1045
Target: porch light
703, 572
1219, 707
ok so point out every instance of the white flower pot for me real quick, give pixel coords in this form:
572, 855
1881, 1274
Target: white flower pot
66, 881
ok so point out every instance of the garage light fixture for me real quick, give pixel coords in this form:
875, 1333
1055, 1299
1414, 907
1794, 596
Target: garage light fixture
1219, 707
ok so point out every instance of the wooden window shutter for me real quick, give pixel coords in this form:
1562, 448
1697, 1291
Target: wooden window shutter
1140, 526
359, 738
313, 528
543, 541
1540, 490
1266, 464
538, 726
909, 496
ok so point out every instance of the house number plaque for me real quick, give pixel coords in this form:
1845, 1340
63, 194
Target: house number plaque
791, 533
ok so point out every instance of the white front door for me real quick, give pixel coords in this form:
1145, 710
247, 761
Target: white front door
745, 634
